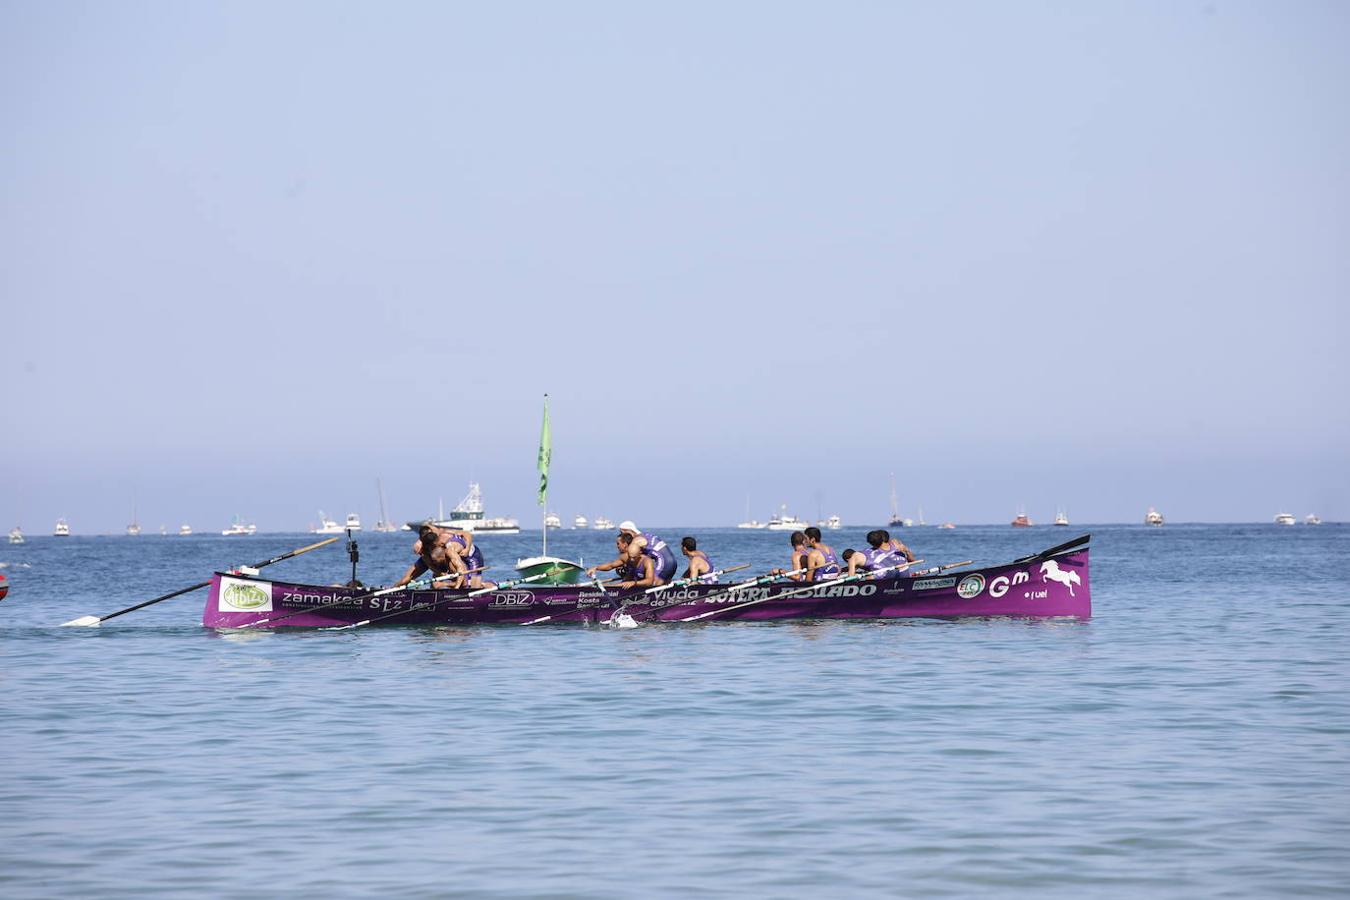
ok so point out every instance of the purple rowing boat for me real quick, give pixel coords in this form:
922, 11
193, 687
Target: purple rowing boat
1052, 583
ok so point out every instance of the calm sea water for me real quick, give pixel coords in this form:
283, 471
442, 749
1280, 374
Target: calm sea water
1192, 739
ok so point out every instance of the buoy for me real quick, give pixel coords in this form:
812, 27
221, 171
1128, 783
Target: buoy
4, 586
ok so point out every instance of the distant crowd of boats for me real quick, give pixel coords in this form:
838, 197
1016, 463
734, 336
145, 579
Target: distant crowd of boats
469, 515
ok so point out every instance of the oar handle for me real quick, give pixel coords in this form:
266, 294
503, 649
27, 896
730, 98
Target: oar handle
681, 582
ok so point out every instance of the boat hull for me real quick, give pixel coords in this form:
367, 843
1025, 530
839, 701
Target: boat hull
1043, 586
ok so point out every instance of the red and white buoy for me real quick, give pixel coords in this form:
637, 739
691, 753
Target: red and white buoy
4, 586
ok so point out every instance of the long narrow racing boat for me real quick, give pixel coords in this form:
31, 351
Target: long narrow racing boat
1052, 583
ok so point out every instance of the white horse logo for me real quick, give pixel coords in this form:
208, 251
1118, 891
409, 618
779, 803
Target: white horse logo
1050, 571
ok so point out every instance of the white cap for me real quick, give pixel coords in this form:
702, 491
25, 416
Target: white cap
627, 525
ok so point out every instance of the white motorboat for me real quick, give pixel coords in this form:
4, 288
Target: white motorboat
1309, 519
353, 522
580, 522
785, 521
16, 535
239, 529
497, 525
602, 524
833, 523
326, 525
552, 520
61, 529
1284, 519
1153, 518
753, 523
1062, 518
185, 530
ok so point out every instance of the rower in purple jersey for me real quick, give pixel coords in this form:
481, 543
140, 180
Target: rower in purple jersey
821, 564
462, 543
800, 557
700, 567
881, 555
633, 571
894, 544
649, 544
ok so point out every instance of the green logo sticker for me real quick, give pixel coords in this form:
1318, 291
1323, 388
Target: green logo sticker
245, 596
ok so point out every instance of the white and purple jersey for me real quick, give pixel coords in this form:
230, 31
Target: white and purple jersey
883, 558
707, 577
662, 557
831, 568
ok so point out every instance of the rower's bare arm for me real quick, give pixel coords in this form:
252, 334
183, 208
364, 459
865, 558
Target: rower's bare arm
414, 570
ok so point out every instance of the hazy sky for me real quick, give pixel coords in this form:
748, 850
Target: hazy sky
254, 255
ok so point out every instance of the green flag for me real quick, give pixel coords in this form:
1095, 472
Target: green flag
545, 454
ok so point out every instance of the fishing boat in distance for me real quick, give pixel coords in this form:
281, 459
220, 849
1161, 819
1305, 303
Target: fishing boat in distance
1061, 518
239, 529
326, 525
1284, 518
1311, 519
1153, 518
785, 521
61, 529
579, 522
1053, 583
1021, 521
602, 524
16, 535
185, 530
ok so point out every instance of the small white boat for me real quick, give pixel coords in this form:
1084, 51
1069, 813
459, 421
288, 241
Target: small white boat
946, 526
1061, 518
1153, 518
1284, 519
62, 529
498, 525
552, 520
133, 529
602, 524
785, 521
239, 529
833, 523
185, 530
16, 535
753, 523
326, 525
1309, 519
580, 522
353, 522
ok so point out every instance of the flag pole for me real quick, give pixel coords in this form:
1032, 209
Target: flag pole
545, 455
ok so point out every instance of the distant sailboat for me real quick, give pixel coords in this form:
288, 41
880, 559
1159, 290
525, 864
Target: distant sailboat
384, 526
135, 527
748, 522
896, 521
16, 535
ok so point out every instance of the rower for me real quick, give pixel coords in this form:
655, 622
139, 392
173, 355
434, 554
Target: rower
648, 544
881, 555
461, 544
639, 572
827, 565
800, 557
700, 566
441, 553
894, 543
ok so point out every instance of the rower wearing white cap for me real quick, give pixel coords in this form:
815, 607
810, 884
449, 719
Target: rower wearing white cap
648, 544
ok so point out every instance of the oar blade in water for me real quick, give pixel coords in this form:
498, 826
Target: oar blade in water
84, 621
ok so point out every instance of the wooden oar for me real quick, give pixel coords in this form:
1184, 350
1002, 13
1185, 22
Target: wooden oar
806, 590
360, 598
936, 569
94, 621
681, 582
477, 592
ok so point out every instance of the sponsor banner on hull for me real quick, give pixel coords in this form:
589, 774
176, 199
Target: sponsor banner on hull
244, 596
931, 584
